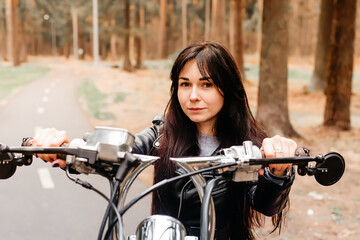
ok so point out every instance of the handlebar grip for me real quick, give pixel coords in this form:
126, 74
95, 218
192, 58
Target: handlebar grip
28, 141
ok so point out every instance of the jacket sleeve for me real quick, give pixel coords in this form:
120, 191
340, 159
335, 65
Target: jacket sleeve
270, 194
144, 141
147, 141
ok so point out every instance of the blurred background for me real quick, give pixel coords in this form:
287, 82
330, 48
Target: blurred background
77, 64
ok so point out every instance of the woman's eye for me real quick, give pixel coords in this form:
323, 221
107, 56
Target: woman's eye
184, 84
208, 85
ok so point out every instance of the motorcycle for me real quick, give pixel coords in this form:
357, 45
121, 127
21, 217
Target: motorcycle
107, 152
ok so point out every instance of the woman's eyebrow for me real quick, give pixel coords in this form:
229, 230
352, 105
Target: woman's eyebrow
204, 78
201, 79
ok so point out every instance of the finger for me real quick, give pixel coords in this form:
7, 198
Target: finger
279, 152
285, 151
45, 136
43, 157
268, 148
34, 142
284, 147
43, 140
38, 133
261, 171
59, 163
41, 137
60, 138
49, 138
47, 157
292, 146
279, 169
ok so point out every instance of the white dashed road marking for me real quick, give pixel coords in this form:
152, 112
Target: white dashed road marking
45, 178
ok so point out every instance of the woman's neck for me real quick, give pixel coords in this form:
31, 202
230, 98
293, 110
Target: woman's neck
206, 129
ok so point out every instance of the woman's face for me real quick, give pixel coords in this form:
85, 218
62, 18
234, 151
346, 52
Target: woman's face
199, 98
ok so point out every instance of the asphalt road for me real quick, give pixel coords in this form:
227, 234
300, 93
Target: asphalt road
40, 202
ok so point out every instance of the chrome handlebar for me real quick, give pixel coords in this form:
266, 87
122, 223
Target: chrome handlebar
108, 147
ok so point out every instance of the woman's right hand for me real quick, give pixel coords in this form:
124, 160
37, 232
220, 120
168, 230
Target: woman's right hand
50, 137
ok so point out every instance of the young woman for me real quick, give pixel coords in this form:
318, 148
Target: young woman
208, 110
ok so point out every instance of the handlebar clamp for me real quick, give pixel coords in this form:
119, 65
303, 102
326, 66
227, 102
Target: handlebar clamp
242, 154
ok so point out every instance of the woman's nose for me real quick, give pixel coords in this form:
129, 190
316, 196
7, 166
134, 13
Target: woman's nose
194, 96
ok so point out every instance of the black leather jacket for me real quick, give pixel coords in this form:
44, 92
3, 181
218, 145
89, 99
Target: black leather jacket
268, 195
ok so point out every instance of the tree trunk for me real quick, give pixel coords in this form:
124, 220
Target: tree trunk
23, 48
218, 22
162, 30
113, 45
232, 26
127, 62
207, 20
140, 39
67, 42
113, 49
75, 33
340, 70
9, 30
236, 35
103, 50
357, 31
302, 31
15, 37
67, 31
53, 38
12, 31
91, 46
173, 35
184, 23
2, 42
83, 47
318, 78
39, 40
259, 29
272, 109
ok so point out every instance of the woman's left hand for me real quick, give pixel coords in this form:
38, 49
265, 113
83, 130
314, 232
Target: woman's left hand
277, 147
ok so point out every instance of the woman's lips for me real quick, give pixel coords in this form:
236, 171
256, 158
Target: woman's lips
196, 109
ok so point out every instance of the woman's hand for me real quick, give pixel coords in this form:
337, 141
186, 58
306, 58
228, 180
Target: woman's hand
277, 147
50, 137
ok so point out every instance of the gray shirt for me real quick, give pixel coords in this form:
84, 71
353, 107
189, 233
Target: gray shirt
207, 144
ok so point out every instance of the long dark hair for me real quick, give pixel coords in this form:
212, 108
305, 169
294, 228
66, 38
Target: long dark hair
235, 122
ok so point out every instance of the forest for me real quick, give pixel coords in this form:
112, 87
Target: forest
131, 31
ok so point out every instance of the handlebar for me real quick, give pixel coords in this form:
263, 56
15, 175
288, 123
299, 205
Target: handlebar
107, 152
330, 165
